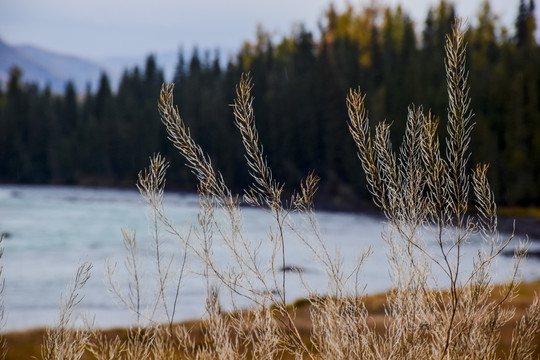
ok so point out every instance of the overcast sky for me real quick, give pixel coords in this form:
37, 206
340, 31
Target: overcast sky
97, 29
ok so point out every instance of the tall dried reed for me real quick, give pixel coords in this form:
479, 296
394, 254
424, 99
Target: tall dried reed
425, 197
62, 341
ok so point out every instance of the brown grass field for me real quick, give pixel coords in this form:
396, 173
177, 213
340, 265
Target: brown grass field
26, 344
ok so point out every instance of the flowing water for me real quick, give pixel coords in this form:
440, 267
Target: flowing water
50, 230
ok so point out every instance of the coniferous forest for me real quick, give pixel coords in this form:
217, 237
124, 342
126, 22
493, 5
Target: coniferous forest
301, 82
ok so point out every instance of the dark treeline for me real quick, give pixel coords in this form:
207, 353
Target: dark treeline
301, 82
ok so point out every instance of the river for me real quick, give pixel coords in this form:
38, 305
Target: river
51, 229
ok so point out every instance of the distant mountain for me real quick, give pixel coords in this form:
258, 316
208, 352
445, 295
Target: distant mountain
55, 70
48, 68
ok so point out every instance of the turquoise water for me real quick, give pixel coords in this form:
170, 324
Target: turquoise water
50, 230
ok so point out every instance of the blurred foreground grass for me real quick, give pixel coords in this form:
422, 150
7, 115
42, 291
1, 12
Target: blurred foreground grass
26, 344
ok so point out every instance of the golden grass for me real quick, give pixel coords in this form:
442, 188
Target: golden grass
26, 344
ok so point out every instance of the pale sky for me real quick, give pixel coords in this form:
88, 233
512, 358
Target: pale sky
96, 29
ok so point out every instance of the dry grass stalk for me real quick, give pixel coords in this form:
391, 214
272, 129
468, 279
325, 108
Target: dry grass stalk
133, 299
161, 305
421, 194
151, 184
220, 216
61, 342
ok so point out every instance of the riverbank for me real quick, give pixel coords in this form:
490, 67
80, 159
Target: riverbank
524, 222
26, 344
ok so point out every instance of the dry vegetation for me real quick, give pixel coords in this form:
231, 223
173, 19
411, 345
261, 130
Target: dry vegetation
435, 310
27, 344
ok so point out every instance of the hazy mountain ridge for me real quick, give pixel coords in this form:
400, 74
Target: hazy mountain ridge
49, 68
46, 67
